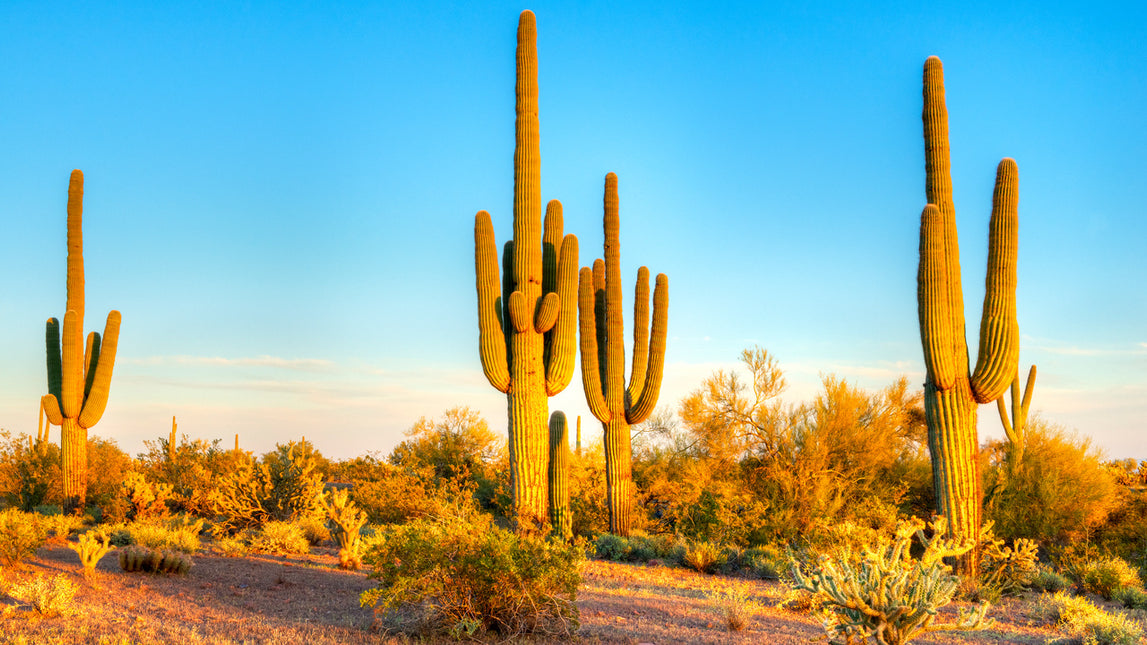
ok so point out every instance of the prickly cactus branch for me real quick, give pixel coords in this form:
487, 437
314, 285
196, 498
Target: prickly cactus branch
603, 358
951, 393
79, 373
1014, 427
527, 316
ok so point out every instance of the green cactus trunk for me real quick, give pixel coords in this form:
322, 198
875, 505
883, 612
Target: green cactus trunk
561, 522
603, 358
1015, 427
79, 375
951, 394
526, 337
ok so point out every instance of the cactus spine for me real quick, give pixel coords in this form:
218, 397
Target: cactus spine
526, 336
950, 392
79, 378
603, 358
560, 519
1015, 427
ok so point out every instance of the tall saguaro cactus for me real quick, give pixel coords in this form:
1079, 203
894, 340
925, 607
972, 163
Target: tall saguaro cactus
603, 358
79, 375
561, 521
526, 336
1014, 428
950, 392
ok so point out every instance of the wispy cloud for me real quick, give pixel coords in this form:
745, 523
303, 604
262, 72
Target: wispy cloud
298, 364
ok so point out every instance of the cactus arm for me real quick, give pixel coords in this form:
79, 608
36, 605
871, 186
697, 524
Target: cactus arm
72, 378
599, 315
1002, 407
562, 345
590, 374
97, 401
91, 359
527, 168
643, 407
932, 296
491, 337
938, 189
1029, 387
999, 351
52, 346
551, 245
519, 314
547, 314
507, 289
614, 377
51, 407
640, 336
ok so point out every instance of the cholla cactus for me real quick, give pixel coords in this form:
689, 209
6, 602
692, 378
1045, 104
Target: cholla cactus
886, 594
91, 546
344, 521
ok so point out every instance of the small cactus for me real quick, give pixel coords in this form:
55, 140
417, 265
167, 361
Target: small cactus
344, 521
137, 558
91, 547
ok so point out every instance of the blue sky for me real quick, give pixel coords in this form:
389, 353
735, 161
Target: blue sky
280, 196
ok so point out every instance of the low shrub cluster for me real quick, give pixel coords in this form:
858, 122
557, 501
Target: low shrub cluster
1082, 619
279, 538
48, 595
470, 576
20, 535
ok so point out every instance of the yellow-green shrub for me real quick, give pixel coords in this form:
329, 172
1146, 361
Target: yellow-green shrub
48, 595
20, 535
280, 538
1105, 576
1081, 619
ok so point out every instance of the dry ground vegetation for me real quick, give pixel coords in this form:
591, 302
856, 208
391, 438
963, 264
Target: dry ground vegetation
307, 599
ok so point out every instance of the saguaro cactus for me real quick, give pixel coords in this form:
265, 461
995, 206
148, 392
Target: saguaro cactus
526, 337
603, 358
1015, 427
171, 442
79, 378
561, 521
950, 392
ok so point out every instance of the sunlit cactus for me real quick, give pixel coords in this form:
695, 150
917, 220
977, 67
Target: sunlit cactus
561, 521
79, 375
603, 359
1014, 427
171, 445
527, 318
344, 521
951, 393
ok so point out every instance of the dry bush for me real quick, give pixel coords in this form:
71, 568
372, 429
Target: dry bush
734, 604
1082, 619
280, 538
20, 535
48, 595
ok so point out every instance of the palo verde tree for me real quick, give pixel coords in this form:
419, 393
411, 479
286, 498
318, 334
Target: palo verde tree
526, 336
603, 358
951, 393
79, 375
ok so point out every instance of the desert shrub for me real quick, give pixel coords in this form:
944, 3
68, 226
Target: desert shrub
280, 538
91, 547
1080, 618
642, 548
469, 575
733, 604
765, 561
178, 533
48, 595
137, 558
284, 486
1047, 579
314, 529
1058, 493
145, 500
59, 526
231, 547
20, 535
730, 559
611, 547
1131, 598
1009, 570
885, 593
703, 556
1105, 576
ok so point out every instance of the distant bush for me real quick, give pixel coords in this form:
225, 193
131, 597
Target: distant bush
20, 535
280, 538
1106, 576
766, 562
284, 486
231, 547
178, 533
734, 604
611, 547
470, 576
48, 595
1060, 491
314, 529
1048, 580
59, 527
145, 500
703, 556
1131, 598
1082, 619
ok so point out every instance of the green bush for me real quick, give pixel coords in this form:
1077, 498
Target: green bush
1131, 598
885, 593
284, 486
1081, 619
280, 538
20, 535
1105, 576
48, 595
1047, 579
611, 547
766, 562
178, 533
469, 575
